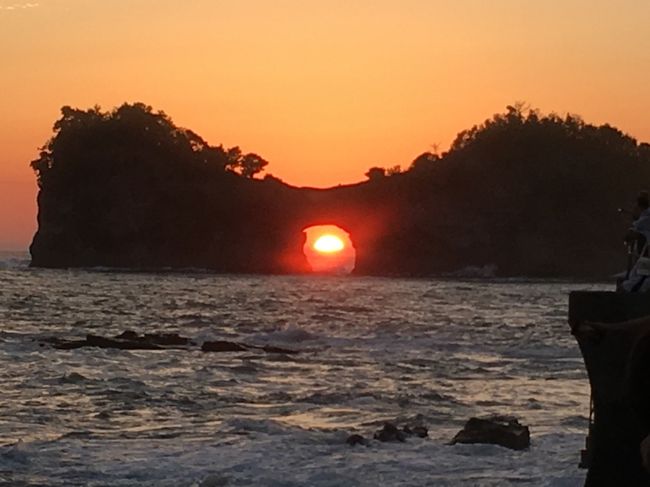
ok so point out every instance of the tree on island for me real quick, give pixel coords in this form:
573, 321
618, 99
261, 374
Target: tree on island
133, 133
248, 165
375, 173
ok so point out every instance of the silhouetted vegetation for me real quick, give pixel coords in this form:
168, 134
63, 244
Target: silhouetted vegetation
375, 173
529, 193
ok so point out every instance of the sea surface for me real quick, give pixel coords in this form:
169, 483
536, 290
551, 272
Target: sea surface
428, 351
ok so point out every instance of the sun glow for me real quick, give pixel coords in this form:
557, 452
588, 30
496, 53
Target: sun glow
329, 250
329, 244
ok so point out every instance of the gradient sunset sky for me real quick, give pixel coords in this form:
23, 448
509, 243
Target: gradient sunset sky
322, 89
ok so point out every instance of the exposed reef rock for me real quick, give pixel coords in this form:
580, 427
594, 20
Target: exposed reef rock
356, 440
127, 340
130, 340
129, 189
390, 432
419, 431
496, 430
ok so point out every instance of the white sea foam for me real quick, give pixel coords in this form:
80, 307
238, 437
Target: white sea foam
290, 334
373, 350
10, 260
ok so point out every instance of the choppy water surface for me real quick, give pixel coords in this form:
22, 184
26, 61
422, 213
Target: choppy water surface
436, 351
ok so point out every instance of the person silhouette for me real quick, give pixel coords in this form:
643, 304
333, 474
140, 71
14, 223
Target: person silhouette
637, 238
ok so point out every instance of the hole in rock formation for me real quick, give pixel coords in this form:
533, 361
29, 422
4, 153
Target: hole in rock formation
329, 249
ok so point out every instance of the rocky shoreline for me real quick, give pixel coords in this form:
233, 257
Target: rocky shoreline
505, 431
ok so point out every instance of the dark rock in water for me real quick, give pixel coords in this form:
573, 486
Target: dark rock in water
223, 346
128, 335
497, 430
103, 342
127, 340
356, 440
130, 340
163, 339
166, 339
390, 433
419, 431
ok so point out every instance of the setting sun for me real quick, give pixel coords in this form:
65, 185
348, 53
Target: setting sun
329, 244
329, 249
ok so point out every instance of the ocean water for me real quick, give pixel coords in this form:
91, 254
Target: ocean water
429, 351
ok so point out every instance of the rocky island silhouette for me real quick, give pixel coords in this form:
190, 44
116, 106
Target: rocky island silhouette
521, 194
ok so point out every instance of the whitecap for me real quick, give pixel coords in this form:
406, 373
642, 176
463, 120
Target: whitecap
291, 334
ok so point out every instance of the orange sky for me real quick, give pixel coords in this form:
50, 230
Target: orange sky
323, 89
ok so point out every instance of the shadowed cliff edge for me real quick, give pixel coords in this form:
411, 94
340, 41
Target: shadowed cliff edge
532, 194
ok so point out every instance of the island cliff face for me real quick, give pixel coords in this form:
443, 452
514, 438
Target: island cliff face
531, 195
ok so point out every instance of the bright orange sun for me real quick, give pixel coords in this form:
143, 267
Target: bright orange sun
328, 244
